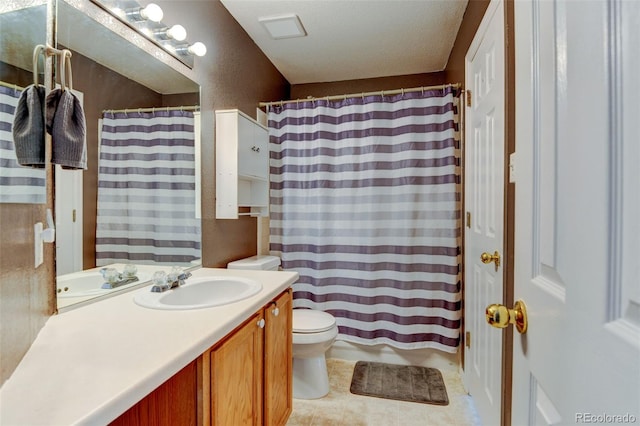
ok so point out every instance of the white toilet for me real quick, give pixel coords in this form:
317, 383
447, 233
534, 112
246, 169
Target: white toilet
313, 333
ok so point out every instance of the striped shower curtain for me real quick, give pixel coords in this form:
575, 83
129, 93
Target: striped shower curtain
146, 189
18, 184
365, 206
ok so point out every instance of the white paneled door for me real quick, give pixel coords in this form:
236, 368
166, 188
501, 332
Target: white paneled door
68, 216
484, 193
577, 238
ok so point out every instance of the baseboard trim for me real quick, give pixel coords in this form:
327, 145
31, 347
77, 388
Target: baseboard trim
382, 353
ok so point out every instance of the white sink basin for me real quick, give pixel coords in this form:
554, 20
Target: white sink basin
198, 293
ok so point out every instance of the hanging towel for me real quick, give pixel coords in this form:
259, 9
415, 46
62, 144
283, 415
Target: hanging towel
28, 127
66, 125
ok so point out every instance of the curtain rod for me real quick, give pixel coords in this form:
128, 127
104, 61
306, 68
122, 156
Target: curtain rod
11, 86
363, 94
153, 109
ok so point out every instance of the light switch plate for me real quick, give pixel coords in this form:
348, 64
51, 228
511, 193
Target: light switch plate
38, 244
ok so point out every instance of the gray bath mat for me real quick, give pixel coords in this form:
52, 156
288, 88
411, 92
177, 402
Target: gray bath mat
399, 382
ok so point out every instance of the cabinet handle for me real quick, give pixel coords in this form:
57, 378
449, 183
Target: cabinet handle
261, 323
255, 148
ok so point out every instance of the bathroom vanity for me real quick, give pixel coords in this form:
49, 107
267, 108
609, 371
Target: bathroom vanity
115, 361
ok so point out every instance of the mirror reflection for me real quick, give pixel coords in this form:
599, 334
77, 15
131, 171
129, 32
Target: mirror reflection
134, 210
23, 27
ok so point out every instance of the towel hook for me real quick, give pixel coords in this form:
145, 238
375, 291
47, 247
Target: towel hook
37, 51
65, 67
67, 63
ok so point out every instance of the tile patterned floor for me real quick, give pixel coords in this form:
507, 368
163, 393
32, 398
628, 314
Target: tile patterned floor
341, 408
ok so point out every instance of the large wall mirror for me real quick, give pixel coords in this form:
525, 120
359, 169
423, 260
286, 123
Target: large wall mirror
23, 25
137, 201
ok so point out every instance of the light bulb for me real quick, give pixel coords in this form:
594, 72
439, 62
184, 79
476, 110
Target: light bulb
152, 12
198, 49
177, 32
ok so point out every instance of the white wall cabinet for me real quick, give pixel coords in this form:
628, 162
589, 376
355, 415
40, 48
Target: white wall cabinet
242, 165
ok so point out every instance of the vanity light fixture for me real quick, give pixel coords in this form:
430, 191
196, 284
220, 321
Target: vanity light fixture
147, 21
197, 48
176, 32
151, 12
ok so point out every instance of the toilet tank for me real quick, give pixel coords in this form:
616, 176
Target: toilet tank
260, 262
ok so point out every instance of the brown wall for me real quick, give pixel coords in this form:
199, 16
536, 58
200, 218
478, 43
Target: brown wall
301, 91
26, 300
233, 74
454, 71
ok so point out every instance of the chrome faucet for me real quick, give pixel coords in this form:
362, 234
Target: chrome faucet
114, 279
177, 280
163, 282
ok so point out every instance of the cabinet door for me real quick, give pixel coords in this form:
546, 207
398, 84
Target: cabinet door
252, 149
278, 387
236, 377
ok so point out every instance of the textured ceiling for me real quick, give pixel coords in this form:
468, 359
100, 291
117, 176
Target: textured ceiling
355, 39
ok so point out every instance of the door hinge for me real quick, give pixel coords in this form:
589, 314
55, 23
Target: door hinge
467, 339
469, 220
468, 96
512, 167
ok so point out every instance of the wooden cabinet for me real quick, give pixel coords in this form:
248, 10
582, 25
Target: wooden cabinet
172, 403
245, 379
242, 165
250, 372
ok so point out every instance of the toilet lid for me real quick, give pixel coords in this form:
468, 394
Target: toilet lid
311, 321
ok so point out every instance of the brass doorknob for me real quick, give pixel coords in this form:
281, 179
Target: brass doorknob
487, 258
500, 316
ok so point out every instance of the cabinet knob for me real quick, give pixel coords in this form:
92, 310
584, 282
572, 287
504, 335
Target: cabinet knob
261, 323
275, 311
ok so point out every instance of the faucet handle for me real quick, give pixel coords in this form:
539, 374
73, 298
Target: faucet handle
160, 282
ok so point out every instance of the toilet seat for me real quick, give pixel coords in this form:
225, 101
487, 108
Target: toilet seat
311, 321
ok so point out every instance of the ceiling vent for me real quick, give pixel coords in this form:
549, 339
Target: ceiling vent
283, 26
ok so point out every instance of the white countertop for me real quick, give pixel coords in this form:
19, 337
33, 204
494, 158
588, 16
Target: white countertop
89, 365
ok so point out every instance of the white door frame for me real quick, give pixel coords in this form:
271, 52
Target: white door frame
484, 153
